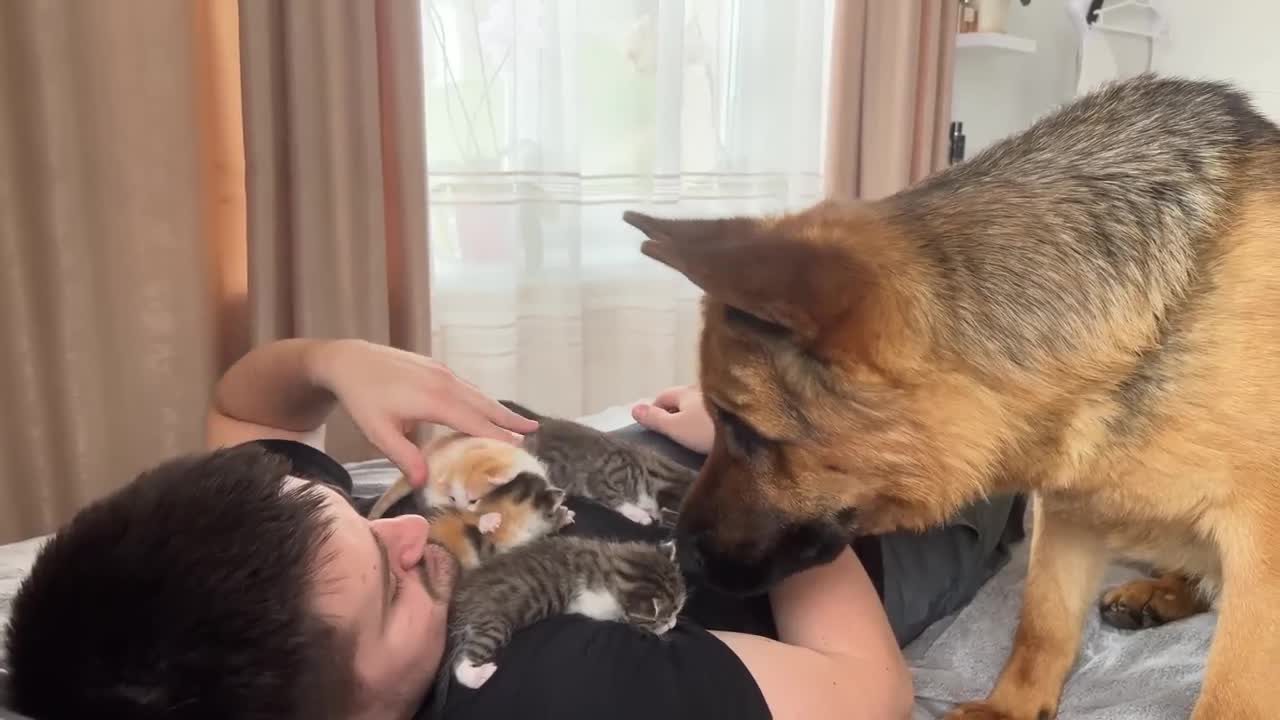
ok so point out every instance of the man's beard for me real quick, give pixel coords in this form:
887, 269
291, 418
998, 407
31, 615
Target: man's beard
439, 572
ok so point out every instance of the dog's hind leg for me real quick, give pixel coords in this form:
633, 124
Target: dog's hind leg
1240, 681
1065, 567
1152, 602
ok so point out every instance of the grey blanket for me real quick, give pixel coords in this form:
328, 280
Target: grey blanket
15, 560
1145, 675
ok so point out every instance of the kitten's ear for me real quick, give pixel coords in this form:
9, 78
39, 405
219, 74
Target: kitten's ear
668, 548
557, 496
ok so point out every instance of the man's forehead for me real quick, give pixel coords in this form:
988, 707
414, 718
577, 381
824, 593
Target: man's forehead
294, 483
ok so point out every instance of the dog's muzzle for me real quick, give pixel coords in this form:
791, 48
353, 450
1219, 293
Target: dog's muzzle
753, 567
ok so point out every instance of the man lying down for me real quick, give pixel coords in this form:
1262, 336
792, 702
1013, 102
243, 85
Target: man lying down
244, 583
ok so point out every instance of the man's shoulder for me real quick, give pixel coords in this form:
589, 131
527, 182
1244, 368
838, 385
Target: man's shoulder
308, 462
572, 667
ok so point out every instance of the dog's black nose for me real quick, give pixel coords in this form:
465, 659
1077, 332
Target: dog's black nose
689, 553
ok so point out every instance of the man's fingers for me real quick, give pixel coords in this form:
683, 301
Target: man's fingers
492, 411
401, 451
669, 399
653, 417
466, 419
504, 417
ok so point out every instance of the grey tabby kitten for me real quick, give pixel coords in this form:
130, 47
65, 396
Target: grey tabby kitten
635, 481
632, 582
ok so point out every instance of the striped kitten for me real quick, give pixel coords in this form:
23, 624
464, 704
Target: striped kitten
635, 481
632, 582
513, 514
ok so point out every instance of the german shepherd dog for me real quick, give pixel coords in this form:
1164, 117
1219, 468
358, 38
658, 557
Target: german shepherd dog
1087, 311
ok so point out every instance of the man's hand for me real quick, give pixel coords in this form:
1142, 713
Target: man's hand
681, 414
386, 390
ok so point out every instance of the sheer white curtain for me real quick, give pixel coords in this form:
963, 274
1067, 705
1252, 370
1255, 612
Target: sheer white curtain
545, 120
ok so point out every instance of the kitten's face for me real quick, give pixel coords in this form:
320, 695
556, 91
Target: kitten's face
530, 508
654, 603
463, 470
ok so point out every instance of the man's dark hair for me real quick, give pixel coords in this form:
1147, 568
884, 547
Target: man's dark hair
186, 594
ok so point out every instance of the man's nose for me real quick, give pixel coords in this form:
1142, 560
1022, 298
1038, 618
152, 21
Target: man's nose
405, 537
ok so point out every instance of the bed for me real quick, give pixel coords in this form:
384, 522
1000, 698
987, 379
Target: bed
1152, 674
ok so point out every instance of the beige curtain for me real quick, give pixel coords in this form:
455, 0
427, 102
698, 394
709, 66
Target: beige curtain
152, 225
336, 175
105, 283
890, 102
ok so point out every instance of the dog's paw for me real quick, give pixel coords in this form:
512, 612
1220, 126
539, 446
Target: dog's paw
983, 711
635, 514
472, 675
1150, 602
489, 522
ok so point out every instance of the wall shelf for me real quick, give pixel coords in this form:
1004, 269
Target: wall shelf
997, 41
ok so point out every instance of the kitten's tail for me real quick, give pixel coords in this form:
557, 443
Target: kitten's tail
393, 495
521, 410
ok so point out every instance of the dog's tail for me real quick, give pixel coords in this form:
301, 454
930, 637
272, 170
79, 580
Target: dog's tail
393, 495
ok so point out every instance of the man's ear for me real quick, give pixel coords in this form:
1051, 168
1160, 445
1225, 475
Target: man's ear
796, 282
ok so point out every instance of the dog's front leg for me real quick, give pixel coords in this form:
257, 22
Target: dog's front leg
1242, 678
1065, 567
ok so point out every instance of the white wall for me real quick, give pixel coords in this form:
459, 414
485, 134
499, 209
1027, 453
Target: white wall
998, 93
1236, 40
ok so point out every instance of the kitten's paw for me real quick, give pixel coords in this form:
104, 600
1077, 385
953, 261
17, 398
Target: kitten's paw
635, 514
472, 675
489, 522
566, 516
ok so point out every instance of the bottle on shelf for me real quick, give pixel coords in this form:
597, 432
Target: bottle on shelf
968, 16
955, 152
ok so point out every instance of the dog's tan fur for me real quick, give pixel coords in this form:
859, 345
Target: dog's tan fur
1089, 312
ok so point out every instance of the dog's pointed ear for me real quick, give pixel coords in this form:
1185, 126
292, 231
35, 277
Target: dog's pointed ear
679, 243
799, 283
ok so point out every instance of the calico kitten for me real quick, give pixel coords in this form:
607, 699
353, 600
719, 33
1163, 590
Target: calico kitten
460, 470
637, 482
511, 515
632, 582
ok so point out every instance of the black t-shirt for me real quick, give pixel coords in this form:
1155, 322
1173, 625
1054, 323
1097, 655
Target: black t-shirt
573, 668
